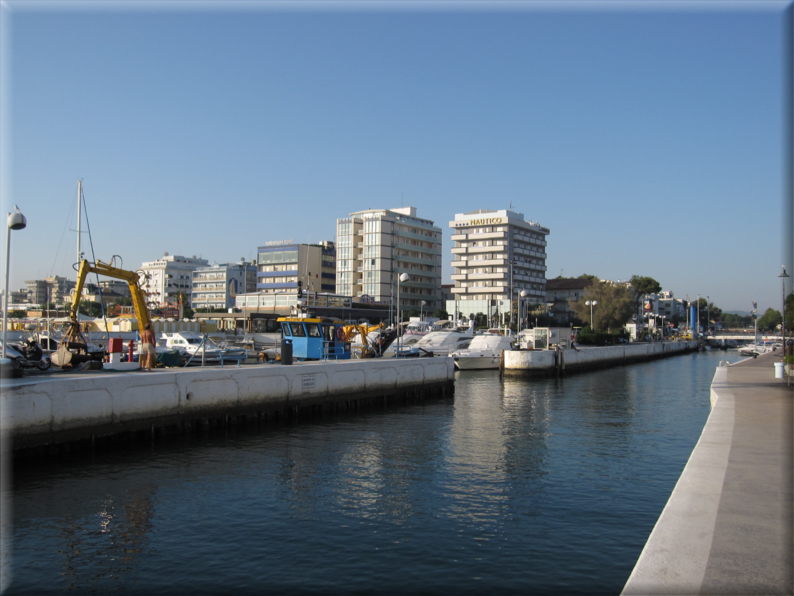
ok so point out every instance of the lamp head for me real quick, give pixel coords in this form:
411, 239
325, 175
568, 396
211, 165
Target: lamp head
784, 275
404, 277
16, 221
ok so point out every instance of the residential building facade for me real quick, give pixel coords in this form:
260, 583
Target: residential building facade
168, 276
494, 250
375, 247
282, 264
217, 285
668, 306
559, 295
50, 289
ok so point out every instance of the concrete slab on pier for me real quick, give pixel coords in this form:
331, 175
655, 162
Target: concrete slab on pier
727, 528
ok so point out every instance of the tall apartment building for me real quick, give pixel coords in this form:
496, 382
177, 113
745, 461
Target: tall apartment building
376, 246
217, 285
490, 248
53, 289
168, 276
281, 264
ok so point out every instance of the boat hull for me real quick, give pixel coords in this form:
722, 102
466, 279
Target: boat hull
477, 362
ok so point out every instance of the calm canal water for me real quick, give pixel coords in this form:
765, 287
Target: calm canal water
512, 486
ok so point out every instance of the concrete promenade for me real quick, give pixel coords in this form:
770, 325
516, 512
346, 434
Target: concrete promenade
727, 528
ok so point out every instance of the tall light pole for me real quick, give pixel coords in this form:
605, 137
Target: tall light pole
510, 300
422, 310
783, 276
520, 315
591, 304
697, 329
708, 315
15, 221
403, 277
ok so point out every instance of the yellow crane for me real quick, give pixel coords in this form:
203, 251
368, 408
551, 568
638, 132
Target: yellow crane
367, 350
73, 348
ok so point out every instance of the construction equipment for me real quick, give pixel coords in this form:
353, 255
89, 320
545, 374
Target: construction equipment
73, 348
370, 347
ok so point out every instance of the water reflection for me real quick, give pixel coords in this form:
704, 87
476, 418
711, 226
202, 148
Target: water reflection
514, 484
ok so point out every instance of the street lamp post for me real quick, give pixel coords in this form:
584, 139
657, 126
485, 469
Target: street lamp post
510, 299
783, 276
403, 277
708, 316
15, 221
697, 329
422, 310
520, 313
591, 304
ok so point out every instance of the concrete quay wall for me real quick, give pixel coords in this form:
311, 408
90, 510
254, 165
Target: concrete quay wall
727, 527
56, 409
545, 362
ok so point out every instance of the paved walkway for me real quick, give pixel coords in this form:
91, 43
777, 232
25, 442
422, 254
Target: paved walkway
727, 528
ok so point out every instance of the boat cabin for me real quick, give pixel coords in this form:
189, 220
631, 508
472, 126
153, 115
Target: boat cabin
314, 338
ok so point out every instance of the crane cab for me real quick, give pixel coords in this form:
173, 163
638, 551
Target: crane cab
315, 338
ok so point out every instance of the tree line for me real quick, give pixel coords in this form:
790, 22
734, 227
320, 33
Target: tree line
617, 304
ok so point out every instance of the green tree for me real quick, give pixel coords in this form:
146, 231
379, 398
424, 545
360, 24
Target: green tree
441, 314
17, 314
734, 321
91, 309
585, 276
707, 310
771, 319
613, 309
407, 314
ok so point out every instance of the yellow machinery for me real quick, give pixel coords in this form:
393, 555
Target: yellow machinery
366, 350
73, 348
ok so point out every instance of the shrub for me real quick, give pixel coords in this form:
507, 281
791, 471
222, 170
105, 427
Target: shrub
587, 337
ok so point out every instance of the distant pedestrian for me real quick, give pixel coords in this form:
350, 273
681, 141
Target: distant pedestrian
148, 354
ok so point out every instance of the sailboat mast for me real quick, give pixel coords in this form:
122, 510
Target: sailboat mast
79, 219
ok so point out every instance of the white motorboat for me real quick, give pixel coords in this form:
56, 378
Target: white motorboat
756, 349
416, 329
484, 352
193, 345
436, 343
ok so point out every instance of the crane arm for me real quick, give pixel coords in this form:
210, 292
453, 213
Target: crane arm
131, 277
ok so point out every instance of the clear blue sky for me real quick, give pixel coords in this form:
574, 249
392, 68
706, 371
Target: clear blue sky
648, 140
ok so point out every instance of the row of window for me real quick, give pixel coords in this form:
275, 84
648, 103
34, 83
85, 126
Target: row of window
283, 256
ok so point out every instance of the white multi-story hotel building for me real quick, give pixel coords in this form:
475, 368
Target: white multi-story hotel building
494, 249
168, 276
217, 285
376, 246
